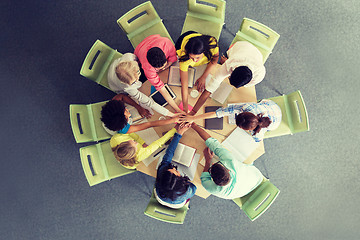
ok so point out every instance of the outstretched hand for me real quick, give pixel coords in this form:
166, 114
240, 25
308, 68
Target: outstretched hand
183, 127
144, 112
186, 118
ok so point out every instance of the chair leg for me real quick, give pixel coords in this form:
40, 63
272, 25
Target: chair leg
228, 31
267, 83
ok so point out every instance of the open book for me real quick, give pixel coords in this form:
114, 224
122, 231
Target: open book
240, 144
183, 170
184, 154
174, 77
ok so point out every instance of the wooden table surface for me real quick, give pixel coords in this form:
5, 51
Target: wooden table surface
191, 138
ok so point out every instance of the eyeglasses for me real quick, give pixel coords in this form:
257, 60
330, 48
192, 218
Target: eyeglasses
219, 162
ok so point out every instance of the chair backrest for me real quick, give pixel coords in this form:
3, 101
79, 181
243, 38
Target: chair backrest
261, 36
294, 115
86, 124
155, 210
259, 200
99, 163
211, 10
297, 112
141, 22
97, 62
206, 17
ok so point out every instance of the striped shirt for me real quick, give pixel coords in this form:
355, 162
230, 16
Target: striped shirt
267, 107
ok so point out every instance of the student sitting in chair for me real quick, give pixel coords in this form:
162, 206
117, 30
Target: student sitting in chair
228, 178
130, 149
257, 118
156, 53
172, 189
125, 76
195, 49
244, 67
116, 117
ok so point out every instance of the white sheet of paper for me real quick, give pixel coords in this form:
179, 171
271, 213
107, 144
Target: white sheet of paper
222, 93
240, 144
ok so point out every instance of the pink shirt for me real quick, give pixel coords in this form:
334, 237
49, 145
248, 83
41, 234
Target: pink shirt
141, 50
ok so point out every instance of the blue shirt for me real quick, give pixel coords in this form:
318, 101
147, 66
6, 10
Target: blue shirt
125, 129
163, 167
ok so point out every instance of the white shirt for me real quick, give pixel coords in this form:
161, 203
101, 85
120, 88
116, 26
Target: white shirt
133, 90
242, 53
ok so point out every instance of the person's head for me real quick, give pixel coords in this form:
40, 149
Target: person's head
240, 76
128, 72
197, 47
125, 153
220, 174
251, 122
170, 184
156, 57
115, 115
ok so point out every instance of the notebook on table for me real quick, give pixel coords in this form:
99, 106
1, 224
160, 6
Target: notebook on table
213, 123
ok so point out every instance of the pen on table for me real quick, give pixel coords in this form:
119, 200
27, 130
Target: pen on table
159, 152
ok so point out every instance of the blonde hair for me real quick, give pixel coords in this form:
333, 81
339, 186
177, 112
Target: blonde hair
127, 72
125, 153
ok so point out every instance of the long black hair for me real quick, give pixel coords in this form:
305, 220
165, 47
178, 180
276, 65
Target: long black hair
197, 45
169, 185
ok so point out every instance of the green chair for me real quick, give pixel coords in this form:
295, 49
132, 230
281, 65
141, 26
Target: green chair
259, 200
141, 22
86, 124
97, 62
99, 163
205, 17
261, 36
294, 115
155, 210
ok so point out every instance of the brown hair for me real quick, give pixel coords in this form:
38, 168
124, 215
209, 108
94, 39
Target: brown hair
250, 121
220, 174
127, 72
125, 153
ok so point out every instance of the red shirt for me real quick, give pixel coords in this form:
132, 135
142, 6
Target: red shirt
141, 50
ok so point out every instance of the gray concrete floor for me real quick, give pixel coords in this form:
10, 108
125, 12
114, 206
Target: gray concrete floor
44, 193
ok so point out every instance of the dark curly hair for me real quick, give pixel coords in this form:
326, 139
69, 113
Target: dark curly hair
156, 57
198, 45
219, 174
250, 121
240, 76
169, 185
112, 115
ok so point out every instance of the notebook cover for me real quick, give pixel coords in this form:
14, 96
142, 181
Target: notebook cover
213, 123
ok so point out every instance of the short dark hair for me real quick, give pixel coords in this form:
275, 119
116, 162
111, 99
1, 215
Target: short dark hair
112, 115
156, 57
220, 174
169, 185
240, 76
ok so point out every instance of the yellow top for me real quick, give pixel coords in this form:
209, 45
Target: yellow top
181, 52
141, 152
